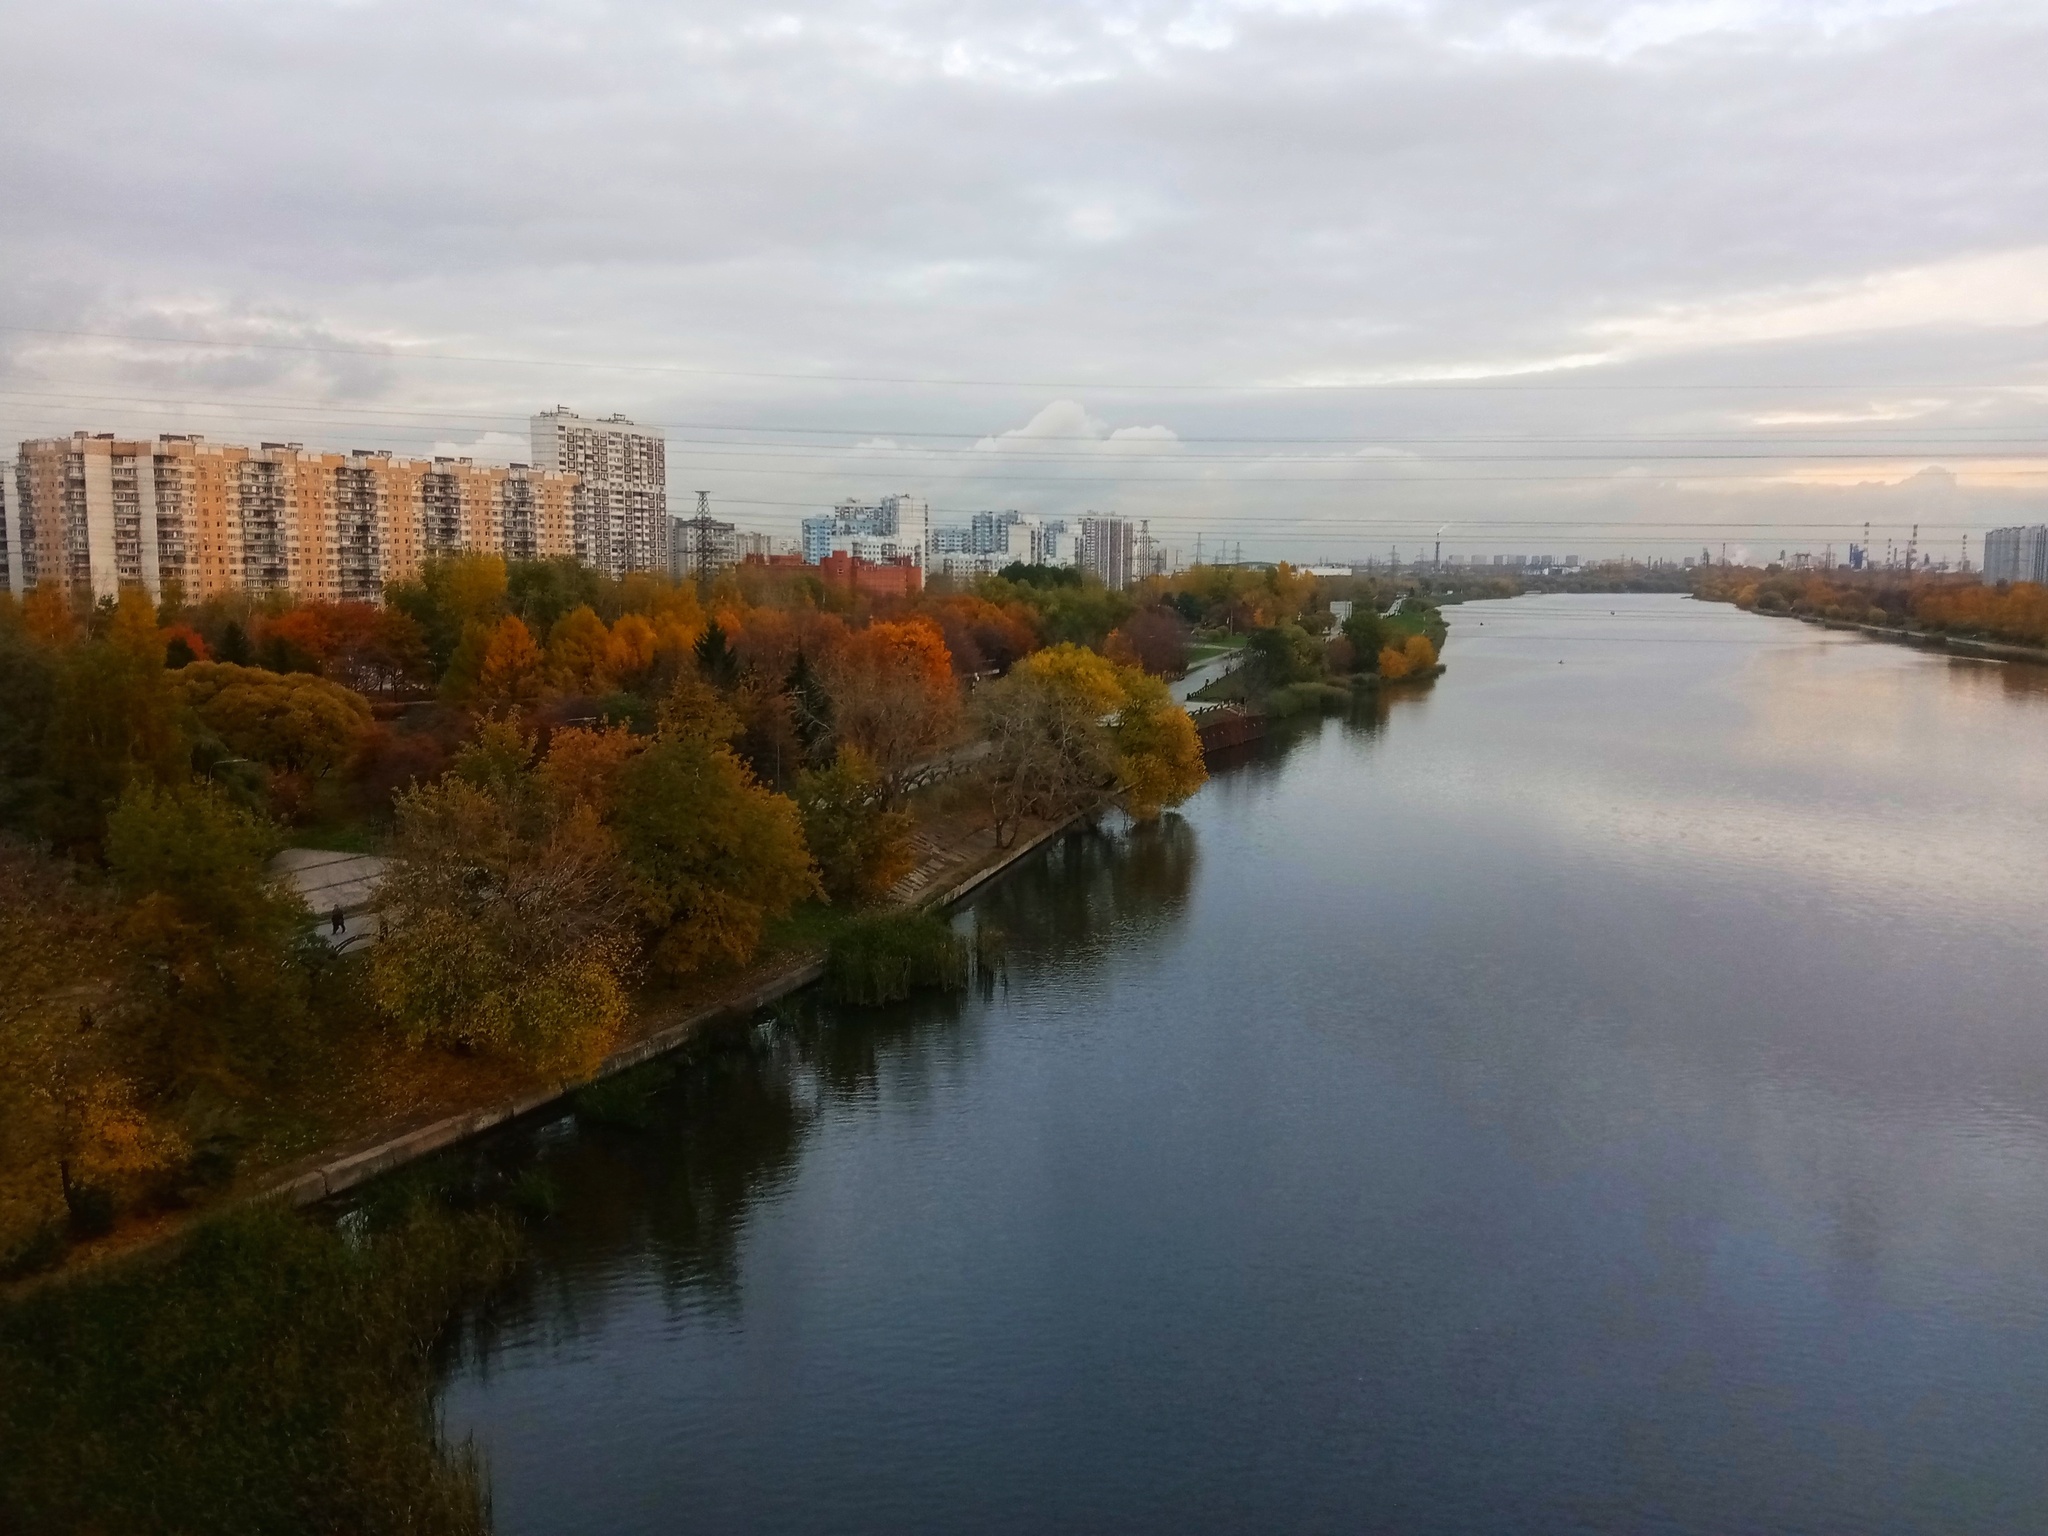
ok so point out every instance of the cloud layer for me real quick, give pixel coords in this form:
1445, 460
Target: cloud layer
1187, 260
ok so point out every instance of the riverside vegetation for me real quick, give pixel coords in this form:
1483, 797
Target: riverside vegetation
2012, 613
593, 793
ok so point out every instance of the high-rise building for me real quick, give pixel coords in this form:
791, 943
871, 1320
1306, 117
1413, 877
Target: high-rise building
864, 532
1108, 548
980, 545
624, 525
702, 546
2016, 554
1051, 542
94, 513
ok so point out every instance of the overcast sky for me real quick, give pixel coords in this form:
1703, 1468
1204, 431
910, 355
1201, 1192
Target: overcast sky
1316, 278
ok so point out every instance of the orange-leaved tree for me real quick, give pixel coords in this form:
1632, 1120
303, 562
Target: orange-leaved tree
894, 696
1414, 655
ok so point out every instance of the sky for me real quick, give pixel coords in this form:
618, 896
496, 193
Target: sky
1310, 280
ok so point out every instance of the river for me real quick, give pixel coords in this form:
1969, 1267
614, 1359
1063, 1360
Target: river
1605, 1092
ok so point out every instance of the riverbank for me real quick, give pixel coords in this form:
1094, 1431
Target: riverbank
658, 1033
1961, 645
949, 873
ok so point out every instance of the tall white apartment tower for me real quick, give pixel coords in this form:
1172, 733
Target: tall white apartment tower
622, 508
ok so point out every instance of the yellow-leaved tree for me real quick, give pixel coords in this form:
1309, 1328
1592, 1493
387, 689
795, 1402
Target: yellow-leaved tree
76, 1138
1158, 753
292, 721
714, 855
1068, 728
507, 922
579, 652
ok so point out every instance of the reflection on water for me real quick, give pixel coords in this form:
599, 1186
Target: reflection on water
1606, 1092
662, 1193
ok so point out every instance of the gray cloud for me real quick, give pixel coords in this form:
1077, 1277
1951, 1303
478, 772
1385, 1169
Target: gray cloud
1843, 197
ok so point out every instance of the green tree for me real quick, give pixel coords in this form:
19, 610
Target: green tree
449, 595
1283, 654
862, 846
28, 699
114, 723
215, 939
1368, 633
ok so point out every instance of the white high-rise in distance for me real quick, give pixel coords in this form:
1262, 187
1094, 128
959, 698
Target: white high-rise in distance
622, 511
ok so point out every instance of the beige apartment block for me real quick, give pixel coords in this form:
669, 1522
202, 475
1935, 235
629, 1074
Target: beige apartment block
622, 521
96, 513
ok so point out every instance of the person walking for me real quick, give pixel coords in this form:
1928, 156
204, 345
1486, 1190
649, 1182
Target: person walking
340, 921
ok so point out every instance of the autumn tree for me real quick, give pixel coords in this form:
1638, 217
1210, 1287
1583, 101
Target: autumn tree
496, 669
506, 919
47, 616
214, 936
77, 1139
579, 653
630, 651
894, 697
1068, 729
1411, 656
1048, 752
862, 847
1158, 753
1154, 640
582, 766
294, 722
714, 856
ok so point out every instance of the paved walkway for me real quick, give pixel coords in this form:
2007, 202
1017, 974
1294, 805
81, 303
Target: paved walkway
1207, 672
326, 880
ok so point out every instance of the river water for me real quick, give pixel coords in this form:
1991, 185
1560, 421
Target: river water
1606, 1092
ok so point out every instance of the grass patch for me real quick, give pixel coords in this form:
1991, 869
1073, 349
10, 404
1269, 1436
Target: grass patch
889, 956
276, 1376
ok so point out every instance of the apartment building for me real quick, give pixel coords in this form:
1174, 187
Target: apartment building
1108, 547
2016, 554
623, 524
96, 513
702, 546
859, 531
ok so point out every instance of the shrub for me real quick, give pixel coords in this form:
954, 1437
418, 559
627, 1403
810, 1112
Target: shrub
885, 958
